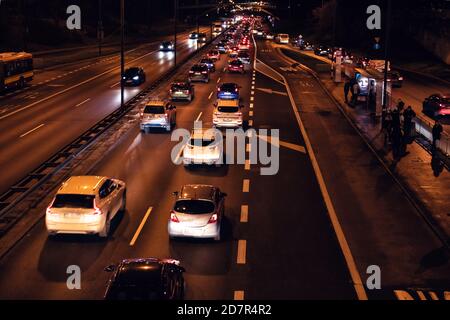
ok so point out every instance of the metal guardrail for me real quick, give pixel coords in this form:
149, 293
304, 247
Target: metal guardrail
34, 180
424, 128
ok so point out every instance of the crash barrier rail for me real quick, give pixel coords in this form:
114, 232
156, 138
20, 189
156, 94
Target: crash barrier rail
49, 168
424, 128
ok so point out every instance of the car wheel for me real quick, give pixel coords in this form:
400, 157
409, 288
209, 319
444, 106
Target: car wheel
123, 207
105, 232
218, 236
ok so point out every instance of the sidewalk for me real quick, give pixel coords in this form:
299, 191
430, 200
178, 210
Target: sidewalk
425, 179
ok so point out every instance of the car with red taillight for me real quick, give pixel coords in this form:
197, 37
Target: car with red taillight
199, 72
437, 105
236, 66
198, 212
158, 114
85, 205
181, 90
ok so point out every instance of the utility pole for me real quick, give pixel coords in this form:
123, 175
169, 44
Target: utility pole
196, 13
122, 54
175, 18
100, 28
386, 52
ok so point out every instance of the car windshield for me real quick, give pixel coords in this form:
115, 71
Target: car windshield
228, 109
154, 109
236, 62
201, 142
194, 206
74, 201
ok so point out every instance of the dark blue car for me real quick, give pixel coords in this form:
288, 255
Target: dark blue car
228, 90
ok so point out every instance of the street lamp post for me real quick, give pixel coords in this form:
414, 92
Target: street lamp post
122, 55
175, 18
386, 52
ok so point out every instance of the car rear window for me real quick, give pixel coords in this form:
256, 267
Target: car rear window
199, 68
73, 201
194, 206
236, 62
132, 71
154, 109
228, 109
180, 86
228, 87
206, 61
201, 142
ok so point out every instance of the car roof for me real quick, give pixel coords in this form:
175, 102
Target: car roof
140, 271
197, 191
202, 133
156, 103
228, 84
87, 185
228, 103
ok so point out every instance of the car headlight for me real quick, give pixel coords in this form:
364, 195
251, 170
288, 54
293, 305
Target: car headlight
136, 78
161, 47
124, 78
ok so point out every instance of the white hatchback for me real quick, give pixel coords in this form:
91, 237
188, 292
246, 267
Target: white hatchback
227, 113
85, 205
203, 148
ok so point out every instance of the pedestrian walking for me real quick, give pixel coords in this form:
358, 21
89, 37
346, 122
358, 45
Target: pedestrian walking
346, 89
408, 116
355, 93
437, 131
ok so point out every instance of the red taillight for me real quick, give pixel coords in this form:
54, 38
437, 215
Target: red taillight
213, 218
204, 72
50, 206
173, 217
97, 209
186, 91
191, 71
236, 90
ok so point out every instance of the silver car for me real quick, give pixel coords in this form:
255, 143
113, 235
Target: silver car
227, 113
197, 213
158, 114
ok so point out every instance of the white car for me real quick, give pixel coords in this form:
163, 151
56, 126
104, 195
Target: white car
202, 148
197, 213
227, 113
85, 205
158, 114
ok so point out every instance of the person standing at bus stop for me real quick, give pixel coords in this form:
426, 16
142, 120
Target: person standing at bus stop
346, 89
437, 131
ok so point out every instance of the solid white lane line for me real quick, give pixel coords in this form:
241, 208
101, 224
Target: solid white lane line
239, 295
115, 84
83, 102
247, 164
242, 252
244, 213
141, 225
30, 131
210, 95
350, 261
72, 87
199, 115
246, 185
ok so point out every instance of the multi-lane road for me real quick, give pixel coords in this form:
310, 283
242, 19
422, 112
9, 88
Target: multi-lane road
66, 101
297, 234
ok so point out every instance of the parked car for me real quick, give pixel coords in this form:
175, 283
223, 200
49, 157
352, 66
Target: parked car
145, 279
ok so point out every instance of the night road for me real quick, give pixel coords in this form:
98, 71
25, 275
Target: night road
239, 151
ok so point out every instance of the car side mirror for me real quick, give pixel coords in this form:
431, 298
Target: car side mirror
110, 268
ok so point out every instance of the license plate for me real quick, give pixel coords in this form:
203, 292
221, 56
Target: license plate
197, 73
